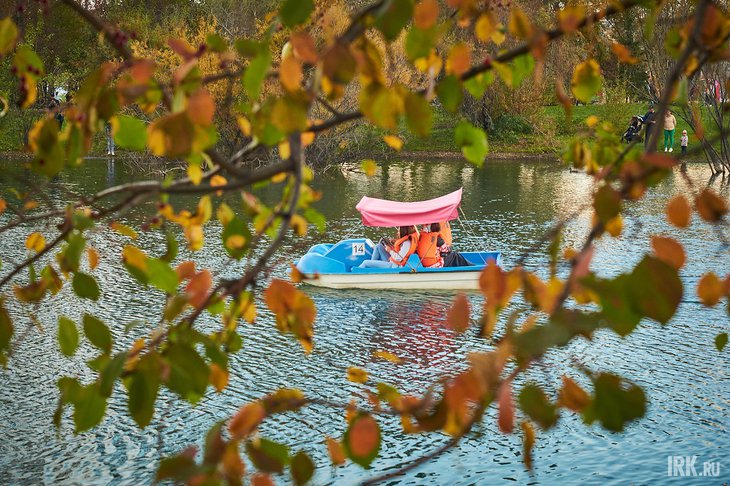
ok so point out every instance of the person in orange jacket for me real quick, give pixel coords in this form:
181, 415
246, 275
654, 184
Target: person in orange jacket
387, 254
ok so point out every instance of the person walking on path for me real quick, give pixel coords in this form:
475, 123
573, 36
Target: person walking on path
670, 123
684, 141
648, 120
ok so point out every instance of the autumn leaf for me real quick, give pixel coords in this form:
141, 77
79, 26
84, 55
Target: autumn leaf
388, 356
679, 211
356, 375
458, 315
669, 250
572, 396
369, 167
519, 25
586, 81
393, 142
218, 377
335, 451
93, 257
623, 54
246, 420
35, 242
506, 407
290, 73
198, 287
459, 60
710, 289
362, 440
528, 442
710, 206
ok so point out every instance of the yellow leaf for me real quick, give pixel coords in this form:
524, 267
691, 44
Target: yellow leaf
134, 257
519, 25
225, 214
335, 451
615, 225
298, 224
244, 125
218, 377
357, 375
498, 35
235, 242
123, 229
284, 150
393, 142
504, 72
195, 173
307, 139
485, 27
592, 121
35, 242
93, 256
369, 166
30, 205
388, 356
195, 237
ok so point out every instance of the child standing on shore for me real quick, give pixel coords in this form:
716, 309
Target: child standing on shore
683, 141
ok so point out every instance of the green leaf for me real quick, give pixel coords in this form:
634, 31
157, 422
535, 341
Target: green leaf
655, 289
607, 203
178, 468
142, 387
450, 93
188, 372
420, 42
616, 303
536, 405
8, 35
6, 332
70, 256
720, 341
418, 115
523, 67
216, 43
268, 456
68, 336
89, 407
172, 247
85, 286
236, 227
477, 85
49, 155
392, 20
316, 218
381, 105
129, 132
295, 12
473, 142
98, 333
111, 372
161, 275
26, 58
256, 73
586, 81
614, 404
302, 468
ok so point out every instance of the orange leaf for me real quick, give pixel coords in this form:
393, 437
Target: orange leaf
459, 60
261, 479
201, 108
679, 211
426, 14
185, 270
295, 275
569, 17
458, 315
198, 288
364, 436
93, 256
528, 443
669, 250
3, 205
710, 206
303, 46
572, 396
506, 419
334, 448
623, 54
290, 73
246, 420
710, 289
218, 377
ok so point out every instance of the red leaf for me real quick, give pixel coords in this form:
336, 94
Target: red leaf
506, 419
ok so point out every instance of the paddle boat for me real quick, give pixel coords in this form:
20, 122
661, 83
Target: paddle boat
337, 265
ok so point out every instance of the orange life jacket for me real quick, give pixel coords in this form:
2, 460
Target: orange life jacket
428, 250
413, 237
446, 232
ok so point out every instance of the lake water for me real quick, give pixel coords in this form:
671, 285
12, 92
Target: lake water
509, 206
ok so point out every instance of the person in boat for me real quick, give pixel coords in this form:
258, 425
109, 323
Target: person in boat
429, 243
387, 254
449, 256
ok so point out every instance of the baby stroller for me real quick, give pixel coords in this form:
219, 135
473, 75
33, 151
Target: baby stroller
633, 129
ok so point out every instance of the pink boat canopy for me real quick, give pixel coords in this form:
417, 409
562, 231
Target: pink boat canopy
381, 212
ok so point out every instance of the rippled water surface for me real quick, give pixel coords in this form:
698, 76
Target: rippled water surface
509, 206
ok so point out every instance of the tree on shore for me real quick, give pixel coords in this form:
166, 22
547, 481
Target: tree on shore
292, 70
